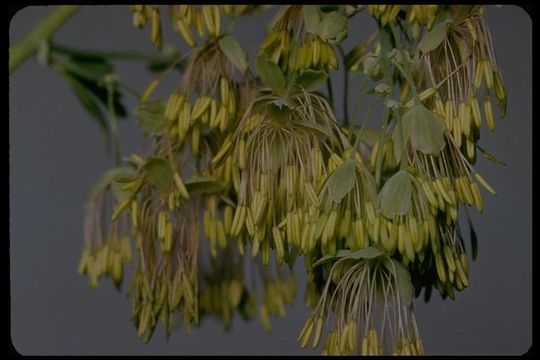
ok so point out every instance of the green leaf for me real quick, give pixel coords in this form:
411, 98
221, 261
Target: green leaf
324, 259
93, 83
234, 52
434, 38
396, 139
342, 180
426, 130
88, 100
365, 253
150, 116
312, 18
159, 173
204, 185
369, 183
312, 80
395, 196
369, 252
403, 280
107, 179
270, 74
90, 68
276, 110
333, 27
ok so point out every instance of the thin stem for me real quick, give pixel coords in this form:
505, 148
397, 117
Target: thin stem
114, 123
409, 80
113, 54
330, 92
386, 47
403, 161
345, 88
406, 69
42, 31
231, 25
358, 99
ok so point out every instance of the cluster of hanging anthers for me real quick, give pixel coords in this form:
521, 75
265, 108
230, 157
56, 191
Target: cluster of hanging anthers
265, 176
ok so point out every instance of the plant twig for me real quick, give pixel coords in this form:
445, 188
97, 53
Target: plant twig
386, 47
330, 92
109, 81
42, 31
345, 89
112, 54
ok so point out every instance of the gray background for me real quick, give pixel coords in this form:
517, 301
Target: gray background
57, 152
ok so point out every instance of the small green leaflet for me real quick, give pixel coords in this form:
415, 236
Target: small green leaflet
403, 280
89, 101
150, 116
108, 178
426, 130
277, 110
204, 185
365, 253
158, 172
234, 52
270, 74
311, 80
342, 180
333, 27
434, 38
396, 140
312, 18
395, 196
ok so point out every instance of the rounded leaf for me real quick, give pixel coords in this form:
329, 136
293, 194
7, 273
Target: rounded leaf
271, 74
395, 196
159, 173
342, 180
234, 52
434, 38
426, 130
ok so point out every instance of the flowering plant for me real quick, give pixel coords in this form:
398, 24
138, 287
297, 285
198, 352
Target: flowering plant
247, 168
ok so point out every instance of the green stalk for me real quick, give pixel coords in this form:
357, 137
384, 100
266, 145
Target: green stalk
403, 161
386, 47
44, 30
114, 122
120, 55
405, 70
330, 92
345, 89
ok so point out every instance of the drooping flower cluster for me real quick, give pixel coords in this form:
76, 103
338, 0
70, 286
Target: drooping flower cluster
261, 166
